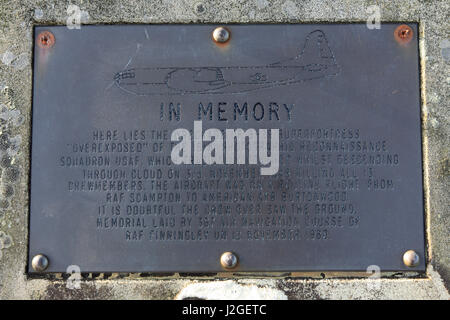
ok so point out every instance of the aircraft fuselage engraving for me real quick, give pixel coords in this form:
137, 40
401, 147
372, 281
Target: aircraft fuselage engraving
315, 61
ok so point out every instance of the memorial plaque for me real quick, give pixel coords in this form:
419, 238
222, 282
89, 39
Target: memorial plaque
158, 148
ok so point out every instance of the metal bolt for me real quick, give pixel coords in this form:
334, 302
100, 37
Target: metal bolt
228, 260
39, 262
45, 39
410, 258
221, 35
403, 34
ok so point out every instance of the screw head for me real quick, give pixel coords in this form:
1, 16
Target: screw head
45, 39
411, 258
221, 35
403, 34
39, 262
228, 260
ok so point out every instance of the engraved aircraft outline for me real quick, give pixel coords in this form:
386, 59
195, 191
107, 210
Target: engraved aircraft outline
315, 61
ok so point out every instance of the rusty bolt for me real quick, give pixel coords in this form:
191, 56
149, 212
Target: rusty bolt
45, 39
228, 260
221, 35
403, 34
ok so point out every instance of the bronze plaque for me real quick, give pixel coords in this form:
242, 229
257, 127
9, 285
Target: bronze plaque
157, 149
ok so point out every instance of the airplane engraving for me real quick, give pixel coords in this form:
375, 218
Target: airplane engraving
315, 61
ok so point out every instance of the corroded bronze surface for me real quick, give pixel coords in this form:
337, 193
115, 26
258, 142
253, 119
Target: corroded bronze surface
342, 189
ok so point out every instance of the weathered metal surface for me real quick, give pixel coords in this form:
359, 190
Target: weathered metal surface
348, 190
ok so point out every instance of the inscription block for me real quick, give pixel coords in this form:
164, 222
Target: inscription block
156, 149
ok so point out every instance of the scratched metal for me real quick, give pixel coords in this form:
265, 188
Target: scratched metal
346, 87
